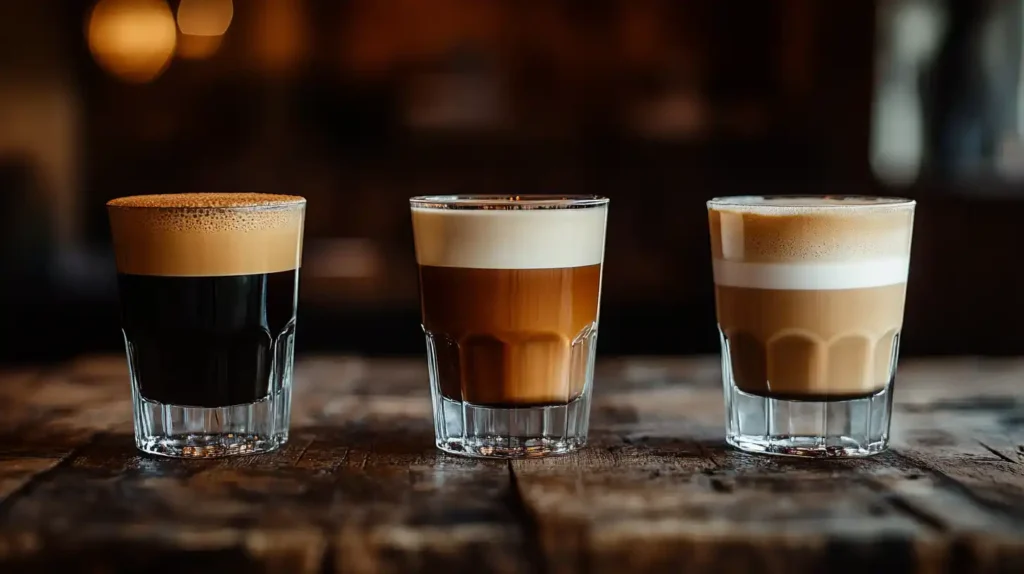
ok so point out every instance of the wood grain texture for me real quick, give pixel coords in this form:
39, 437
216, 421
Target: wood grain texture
360, 488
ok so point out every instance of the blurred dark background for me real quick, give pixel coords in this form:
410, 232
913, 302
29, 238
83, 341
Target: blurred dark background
658, 104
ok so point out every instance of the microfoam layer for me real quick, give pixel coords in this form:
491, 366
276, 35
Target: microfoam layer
207, 234
509, 238
813, 230
812, 276
809, 205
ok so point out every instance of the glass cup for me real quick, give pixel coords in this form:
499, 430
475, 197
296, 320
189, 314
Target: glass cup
510, 290
208, 287
809, 296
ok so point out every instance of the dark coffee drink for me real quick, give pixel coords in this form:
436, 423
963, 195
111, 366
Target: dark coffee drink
510, 291
235, 321
208, 288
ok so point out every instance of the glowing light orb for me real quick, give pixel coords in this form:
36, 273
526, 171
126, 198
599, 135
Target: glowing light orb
205, 17
133, 40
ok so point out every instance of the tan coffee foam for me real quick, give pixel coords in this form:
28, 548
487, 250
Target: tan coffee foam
207, 234
791, 234
181, 201
793, 205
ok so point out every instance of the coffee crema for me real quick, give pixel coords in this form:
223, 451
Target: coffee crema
510, 300
810, 292
207, 234
208, 291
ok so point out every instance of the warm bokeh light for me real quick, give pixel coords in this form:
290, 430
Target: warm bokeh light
279, 34
132, 39
193, 47
205, 17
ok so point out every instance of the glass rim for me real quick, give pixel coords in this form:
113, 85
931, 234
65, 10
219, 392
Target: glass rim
754, 202
507, 202
256, 202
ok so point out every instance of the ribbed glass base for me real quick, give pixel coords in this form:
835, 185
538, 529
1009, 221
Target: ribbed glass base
488, 432
195, 432
810, 429
851, 428
469, 429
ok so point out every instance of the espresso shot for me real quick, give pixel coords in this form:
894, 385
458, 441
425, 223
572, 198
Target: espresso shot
510, 292
236, 320
208, 289
809, 295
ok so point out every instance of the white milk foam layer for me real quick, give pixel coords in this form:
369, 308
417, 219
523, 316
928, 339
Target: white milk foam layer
811, 276
509, 239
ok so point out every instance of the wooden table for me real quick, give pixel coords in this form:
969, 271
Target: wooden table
360, 487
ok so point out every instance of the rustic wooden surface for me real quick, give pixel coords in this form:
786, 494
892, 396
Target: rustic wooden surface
360, 487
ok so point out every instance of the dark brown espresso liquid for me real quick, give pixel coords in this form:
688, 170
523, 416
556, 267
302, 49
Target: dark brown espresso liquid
208, 341
511, 337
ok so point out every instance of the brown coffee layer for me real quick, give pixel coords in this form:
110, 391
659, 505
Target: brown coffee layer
511, 337
787, 343
207, 234
823, 235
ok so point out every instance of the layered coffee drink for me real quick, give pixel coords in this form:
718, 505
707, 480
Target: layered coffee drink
810, 293
510, 291
208, 290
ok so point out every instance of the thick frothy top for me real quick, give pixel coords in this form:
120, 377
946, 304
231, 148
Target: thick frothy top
810, 243
792, 205
179, 201
509, 239
789, 230
207, 234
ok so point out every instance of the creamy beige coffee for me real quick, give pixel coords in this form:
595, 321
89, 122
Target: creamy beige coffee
810, 292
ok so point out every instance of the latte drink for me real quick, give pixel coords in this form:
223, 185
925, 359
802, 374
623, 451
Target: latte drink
510, 291
809, 298
208, 289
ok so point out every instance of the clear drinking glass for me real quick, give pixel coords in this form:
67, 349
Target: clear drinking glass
809, 297
208, 287
510, 290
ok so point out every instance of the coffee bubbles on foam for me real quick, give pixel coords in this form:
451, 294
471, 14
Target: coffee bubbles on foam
509, 238
810, 243
207, 234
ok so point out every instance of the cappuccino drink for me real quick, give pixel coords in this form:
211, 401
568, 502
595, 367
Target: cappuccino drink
208, 289
510, 291
809, 298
